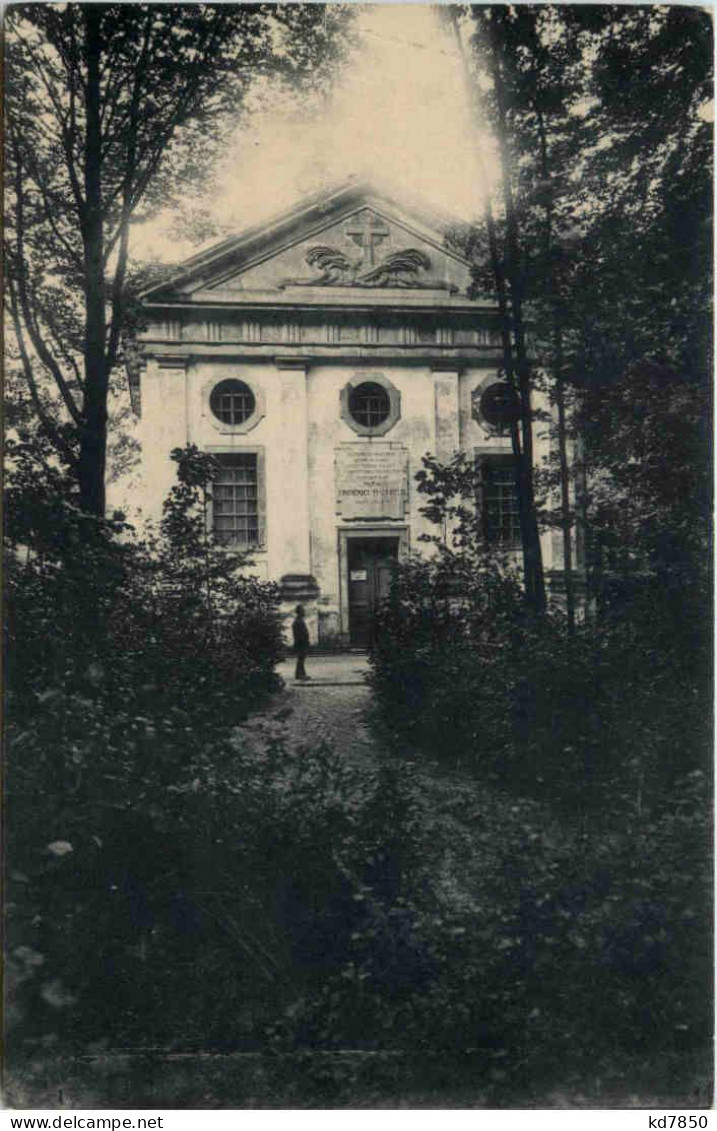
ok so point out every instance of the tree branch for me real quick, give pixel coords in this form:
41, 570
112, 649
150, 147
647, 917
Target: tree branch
62, 348
65, 133
126, 214
46, 421
185, 98
49, 209
43, 352
33, 330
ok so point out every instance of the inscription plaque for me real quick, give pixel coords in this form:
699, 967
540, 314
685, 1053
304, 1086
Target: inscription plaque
371, 481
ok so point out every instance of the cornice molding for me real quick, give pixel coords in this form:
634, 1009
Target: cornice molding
427, 356
355, 299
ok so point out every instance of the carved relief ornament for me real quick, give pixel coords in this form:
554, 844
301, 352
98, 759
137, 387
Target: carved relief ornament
335, 269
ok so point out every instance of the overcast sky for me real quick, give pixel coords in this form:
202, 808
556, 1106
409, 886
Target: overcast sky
397, 115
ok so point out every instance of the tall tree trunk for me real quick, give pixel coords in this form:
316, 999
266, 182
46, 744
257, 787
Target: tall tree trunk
558, 378
93, 431
515, 373
565, 513
581, 509
532, 554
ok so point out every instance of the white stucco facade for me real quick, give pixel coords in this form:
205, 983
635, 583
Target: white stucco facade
346, 293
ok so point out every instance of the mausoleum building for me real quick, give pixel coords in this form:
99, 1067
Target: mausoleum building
320, 356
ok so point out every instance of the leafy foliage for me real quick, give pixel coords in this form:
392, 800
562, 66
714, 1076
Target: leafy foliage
129, 662
579, 881
193, 890
601, 223
454, 668
114, 112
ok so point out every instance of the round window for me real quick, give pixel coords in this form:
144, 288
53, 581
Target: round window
232, 402
499, 405
369, 404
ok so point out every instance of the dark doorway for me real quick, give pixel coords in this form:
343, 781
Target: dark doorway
371, 563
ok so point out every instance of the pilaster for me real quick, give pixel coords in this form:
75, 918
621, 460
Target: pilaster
288, 501
164, 426
448, 440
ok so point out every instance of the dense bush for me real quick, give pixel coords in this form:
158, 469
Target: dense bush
515, 954
176, 881
163, 622
575, 928
192, 896
128, 662
602, 719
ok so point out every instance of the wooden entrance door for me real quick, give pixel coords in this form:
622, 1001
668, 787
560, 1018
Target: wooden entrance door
371, 562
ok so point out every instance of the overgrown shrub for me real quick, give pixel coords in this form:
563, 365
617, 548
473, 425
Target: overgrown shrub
128, 661
517, 954
573, 927
170, 619
600, 720
190, 897
170, 883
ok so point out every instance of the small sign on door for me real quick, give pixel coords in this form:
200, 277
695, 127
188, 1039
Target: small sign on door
359, 574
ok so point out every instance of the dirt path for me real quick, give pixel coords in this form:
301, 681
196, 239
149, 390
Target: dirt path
331, 707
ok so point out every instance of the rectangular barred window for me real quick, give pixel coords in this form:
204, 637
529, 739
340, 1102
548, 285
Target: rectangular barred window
501, 517
236, 517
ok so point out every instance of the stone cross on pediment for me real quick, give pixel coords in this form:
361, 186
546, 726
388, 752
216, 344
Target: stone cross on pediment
367, 231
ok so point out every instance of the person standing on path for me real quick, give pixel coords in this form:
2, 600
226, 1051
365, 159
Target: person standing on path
301, 643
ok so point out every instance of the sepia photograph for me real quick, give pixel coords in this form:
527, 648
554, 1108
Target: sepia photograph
357, 574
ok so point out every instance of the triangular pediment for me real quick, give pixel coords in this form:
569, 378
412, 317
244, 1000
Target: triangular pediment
351, 241
367, 248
